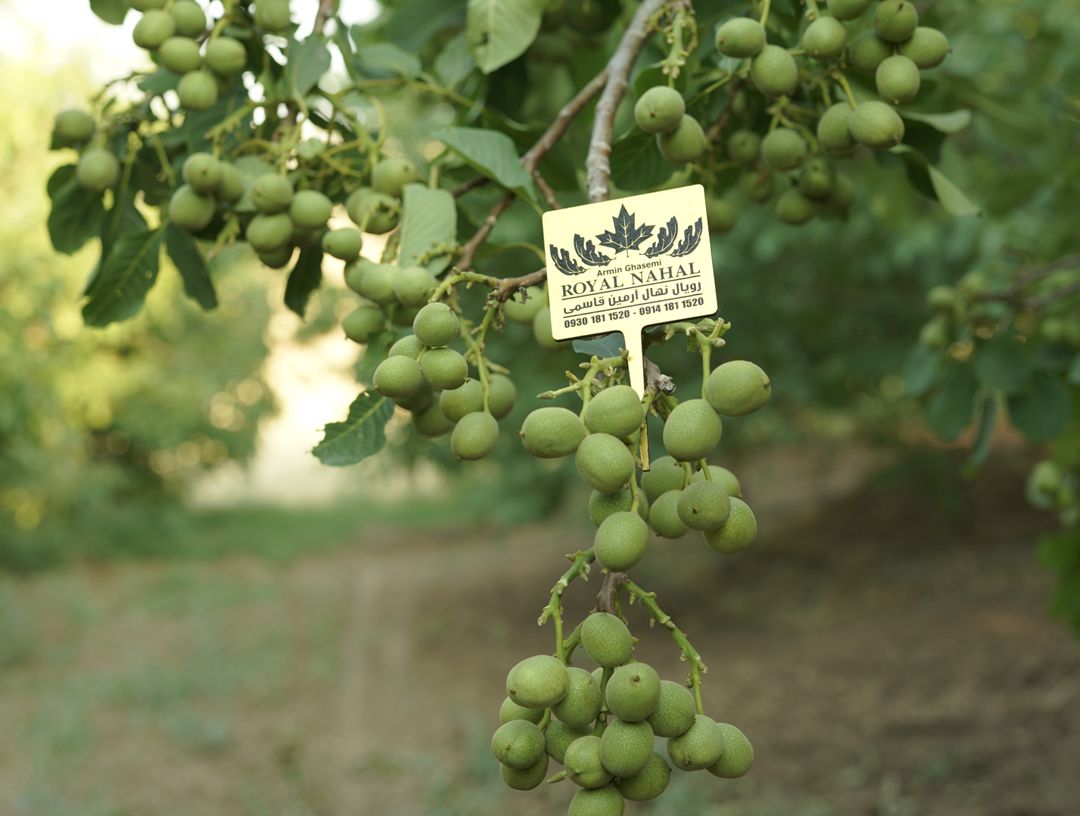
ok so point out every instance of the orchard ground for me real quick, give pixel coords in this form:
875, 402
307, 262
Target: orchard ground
886, 648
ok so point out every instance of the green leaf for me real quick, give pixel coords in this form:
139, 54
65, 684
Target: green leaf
305, 278
950, 122
414, 22
362, 434
111, 11
192, 267
1002, 363
950, 408
636, 164
376, 350
1042, 411
454, 62
500, 31
386, 61
608, 345
77, 213
988, 414
1074, 371
491, 154
429, 220
125, 276
309, 60
927, 179
921, 370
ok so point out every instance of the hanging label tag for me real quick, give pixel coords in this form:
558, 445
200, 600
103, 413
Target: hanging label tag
623, 265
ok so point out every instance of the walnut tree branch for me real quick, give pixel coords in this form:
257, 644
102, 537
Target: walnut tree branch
327, 9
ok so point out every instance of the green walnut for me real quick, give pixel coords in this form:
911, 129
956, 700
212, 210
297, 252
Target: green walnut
197, 90
537, 682
377, 282
724, 477
737, 388
738, 754
582, 763
703, 505
738, 532
522, 306
648, 783
843, 194
541, 327
474, 437
373, 211
153, 28
816, 179
189, 18
847, 9
583, 700
825, 38
502, 395
189, 210
897, 79
675, 710
310, 209
444, 368
431, 423
692, 430
525, 778
266, 233
272, 15
363, 323
203, 172
664, 475
606, 801
391, 175
684, 144
436, 325
226, 56
740, 37
606, 639
616, 410
875, 124
74, 127
633, 692
867, 51
927, 47
179, 54
602, 505
459, 402
232, 186
758, 184
558, 736
398, 377
98, 170
408, 346
774, 72
271, 193
783, 149
701, 746
344, 244
743, 146
518, 744
604, 462
833, 132
721, 215
626, 747
147, 5
659, 110
895, 21
664, 516
620, 541
551, 432
413, 285
276, 258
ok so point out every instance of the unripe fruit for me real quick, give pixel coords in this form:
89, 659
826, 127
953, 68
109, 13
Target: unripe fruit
267, 233
721, 214
537, 682
605, 801
701, 746
344, 244
189, 18
474, 437
226, 56
847, 9
616, 410
198, 91
310, 209
420, 401
377, 282
444, 368
620, 541
833, 133
942, 298
436, 325
935, 333
684, 144
648, 783
895, 21
825, 38
602, 505
626, 747
816, 179
522, 307
692, 430
232, 185
502, 394
843, 194
606, 639
147, 5
526, 778
363, 323
509, 710
398, 377
604, 462
774, 71
179, 54
927, 47
704, 505
740, 37
659, 110
757, 185
74, 127
738, 754
664, 515
272, 15
583, 700
664, 475
876, 125
558, 736
724, 477
743, 146
391, 175
737, 388
203, 172
897, 79
675, 710
633, 692
738, 532
459, 402
541, 327
867, 51
98, 170
189, 210
407, 346
413, 285
153, 28
783, 149
518, 744
271, 193
276, 258
431, 422
582, 763
373, 211
551, 432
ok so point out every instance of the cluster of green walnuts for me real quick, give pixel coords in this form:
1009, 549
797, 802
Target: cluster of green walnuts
602, 726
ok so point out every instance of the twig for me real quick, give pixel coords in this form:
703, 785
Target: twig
1053, 296
323, 15
469, 186
598, 162
546, 191
508, 286
563, 120
468, 252
717, 129
605, 600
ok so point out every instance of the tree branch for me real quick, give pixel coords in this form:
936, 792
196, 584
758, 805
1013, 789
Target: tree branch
598, 162
327, 9
563, 119
717, 129
468, 252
